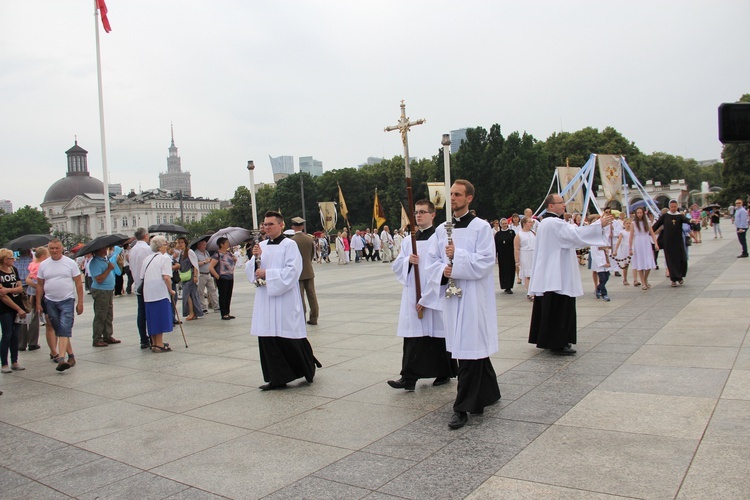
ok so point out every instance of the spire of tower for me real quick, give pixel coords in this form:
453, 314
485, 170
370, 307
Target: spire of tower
171, 126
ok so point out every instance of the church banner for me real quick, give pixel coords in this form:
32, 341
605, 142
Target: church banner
574, 197
610, 172
328, 215
437, 194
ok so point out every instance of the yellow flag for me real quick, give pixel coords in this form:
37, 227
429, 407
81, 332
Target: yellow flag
342, 205
404, 218
377, 212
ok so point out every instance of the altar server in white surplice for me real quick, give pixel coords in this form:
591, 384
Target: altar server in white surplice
555, 278
471, 319
424, 339
278, 316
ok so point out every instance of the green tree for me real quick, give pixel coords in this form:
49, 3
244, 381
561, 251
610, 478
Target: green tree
241, 212
26, 220
287, 197
69, 240
736, 172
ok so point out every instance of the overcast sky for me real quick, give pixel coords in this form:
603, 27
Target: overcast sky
242, 80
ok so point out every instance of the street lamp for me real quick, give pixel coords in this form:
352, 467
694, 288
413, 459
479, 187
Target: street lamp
250, 169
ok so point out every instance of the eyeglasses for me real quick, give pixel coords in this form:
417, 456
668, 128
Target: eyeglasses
421, 212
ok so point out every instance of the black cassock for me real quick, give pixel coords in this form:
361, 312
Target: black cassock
506, 258
673, 244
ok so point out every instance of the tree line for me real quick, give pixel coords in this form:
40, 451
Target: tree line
510, 173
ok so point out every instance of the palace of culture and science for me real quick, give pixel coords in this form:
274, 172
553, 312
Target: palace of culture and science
75, 203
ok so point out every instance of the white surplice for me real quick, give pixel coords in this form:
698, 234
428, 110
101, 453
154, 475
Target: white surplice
277, 310
409, 324
470, 320
555, 267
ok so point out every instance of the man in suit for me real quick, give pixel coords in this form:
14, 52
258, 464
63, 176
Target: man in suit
307, 278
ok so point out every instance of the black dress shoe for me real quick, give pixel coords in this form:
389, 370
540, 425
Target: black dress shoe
458, 420
563, 351
407, 385
509, 291
34, 347
441, 381
312, 323
271, 387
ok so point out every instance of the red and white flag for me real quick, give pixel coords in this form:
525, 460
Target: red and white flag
103, 11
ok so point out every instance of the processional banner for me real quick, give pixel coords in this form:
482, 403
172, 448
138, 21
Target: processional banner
328, 215
610, 172
437, 194
573, 197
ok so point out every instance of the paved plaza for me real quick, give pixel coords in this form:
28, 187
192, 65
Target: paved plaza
656, 403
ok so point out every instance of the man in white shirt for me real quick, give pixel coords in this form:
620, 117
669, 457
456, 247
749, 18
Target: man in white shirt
555, 278
386, 241
138, 254
59, 284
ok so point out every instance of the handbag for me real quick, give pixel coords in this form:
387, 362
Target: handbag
25, 302
186, 276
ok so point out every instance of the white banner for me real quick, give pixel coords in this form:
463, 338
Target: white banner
573, 198
437, 194
610, 172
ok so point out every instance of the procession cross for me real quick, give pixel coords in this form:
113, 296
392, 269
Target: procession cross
404, 125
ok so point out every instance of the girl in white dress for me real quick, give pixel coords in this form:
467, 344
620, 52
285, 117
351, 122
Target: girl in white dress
641, 237
523, 246
621, 253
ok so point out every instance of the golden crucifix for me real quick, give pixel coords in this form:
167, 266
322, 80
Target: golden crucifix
403, 126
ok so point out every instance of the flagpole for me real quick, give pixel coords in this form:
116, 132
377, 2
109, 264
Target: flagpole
105, 174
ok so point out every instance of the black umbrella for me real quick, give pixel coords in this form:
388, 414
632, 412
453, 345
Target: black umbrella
712, 206
28, 241
205, 237
167, 228
105, 241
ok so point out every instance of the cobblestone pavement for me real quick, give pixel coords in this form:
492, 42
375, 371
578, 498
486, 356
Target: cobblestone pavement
654, 405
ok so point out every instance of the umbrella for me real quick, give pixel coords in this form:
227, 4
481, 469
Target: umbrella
641, 204
235, 235
712, 206
205, 237
105, 241
167, 228
28, 241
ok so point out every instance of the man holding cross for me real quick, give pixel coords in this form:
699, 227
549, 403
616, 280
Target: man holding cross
424, 354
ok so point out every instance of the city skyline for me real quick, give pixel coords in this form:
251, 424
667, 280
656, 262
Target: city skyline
655, 72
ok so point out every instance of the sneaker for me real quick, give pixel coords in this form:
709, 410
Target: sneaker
605, 298
598, 295
16, 367
5, 369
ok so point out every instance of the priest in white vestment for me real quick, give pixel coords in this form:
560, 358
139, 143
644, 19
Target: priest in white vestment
555, 277
278, 316
471, 319
424, 354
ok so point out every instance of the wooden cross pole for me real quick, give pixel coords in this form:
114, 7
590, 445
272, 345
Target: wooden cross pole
404, 126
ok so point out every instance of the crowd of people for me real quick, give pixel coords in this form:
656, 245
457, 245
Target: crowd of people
448, 313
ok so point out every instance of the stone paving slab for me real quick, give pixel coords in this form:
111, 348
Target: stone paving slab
654, 405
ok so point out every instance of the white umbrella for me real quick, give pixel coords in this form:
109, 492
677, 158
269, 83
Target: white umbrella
235, 235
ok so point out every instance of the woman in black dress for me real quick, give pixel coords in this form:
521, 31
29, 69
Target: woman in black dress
505, 255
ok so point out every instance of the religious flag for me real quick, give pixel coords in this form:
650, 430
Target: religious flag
328, 215
437, 194
404, 218
103, 12
574, 196
610, 171
342, 205
377, 212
